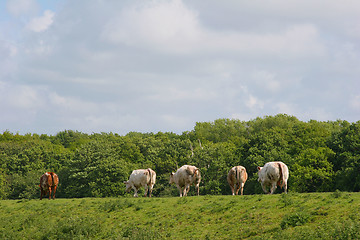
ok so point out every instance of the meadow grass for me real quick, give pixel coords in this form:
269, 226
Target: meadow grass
281, 216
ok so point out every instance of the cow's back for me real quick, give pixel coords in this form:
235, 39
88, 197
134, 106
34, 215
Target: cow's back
181, 176
237, 174
139, 177
49, 179
184, 175
274, 171
53, 179
44, 181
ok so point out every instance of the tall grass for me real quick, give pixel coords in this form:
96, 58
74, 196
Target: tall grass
292, 216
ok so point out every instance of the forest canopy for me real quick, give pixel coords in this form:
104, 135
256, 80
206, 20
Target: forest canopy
321, 156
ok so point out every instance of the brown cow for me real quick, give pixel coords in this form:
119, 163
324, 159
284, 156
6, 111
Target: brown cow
236, 178
48, 183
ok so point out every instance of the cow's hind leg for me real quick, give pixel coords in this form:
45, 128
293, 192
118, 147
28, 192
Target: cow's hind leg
49, 191
237, 188
180, 190
150, 190
242, 188
232, 189
54, 191
146, 190
186, 190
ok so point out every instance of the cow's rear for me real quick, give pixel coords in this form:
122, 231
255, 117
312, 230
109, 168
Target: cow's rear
236, 178
184, 177
139, 178
48, 184
273, 174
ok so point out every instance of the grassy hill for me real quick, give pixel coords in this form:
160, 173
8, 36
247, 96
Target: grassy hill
292, 216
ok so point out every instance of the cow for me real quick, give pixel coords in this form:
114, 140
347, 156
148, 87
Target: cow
236, 178
273, 174
141, 178
184, 177
48, 184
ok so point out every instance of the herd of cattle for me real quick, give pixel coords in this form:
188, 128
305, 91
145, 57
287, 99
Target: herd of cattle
271, 175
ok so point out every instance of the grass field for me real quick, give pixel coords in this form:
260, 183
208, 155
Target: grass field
293, 216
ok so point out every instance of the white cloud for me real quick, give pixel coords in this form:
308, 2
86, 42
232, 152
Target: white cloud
168, 25
297, 41
8, 52
254, 103
40, 24
355, 103
21, 103
172, 27
288, 108
267, 80
21, 7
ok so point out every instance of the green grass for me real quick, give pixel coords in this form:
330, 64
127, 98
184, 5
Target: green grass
292, 216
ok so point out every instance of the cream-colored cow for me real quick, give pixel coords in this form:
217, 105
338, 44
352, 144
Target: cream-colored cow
141, 178
273, 174
184, 177
236, 178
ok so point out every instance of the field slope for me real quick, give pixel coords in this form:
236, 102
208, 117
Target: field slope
292, 216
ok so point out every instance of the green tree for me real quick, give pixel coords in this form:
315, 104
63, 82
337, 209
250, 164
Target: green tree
346, 145
312, 171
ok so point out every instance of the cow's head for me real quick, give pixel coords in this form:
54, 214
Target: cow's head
128, 186
171, 180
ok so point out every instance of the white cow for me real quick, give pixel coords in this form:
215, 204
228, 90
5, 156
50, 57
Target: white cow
139, 178
236, 178
272, 174
184, 177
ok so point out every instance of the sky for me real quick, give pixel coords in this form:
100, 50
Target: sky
164, 65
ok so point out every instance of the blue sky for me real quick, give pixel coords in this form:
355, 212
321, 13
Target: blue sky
149, 66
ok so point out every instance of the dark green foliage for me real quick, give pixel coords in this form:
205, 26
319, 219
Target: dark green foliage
346, 145
321, 156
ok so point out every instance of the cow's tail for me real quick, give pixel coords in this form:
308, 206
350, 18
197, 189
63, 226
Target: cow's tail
151, 176
281, 181
52, 179
196, 172
237, 174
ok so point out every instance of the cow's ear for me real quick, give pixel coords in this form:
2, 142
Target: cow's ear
126, 182
259, 168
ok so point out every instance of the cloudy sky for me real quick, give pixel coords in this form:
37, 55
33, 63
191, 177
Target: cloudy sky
163, 65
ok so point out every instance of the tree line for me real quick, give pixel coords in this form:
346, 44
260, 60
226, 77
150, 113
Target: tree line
321, 156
